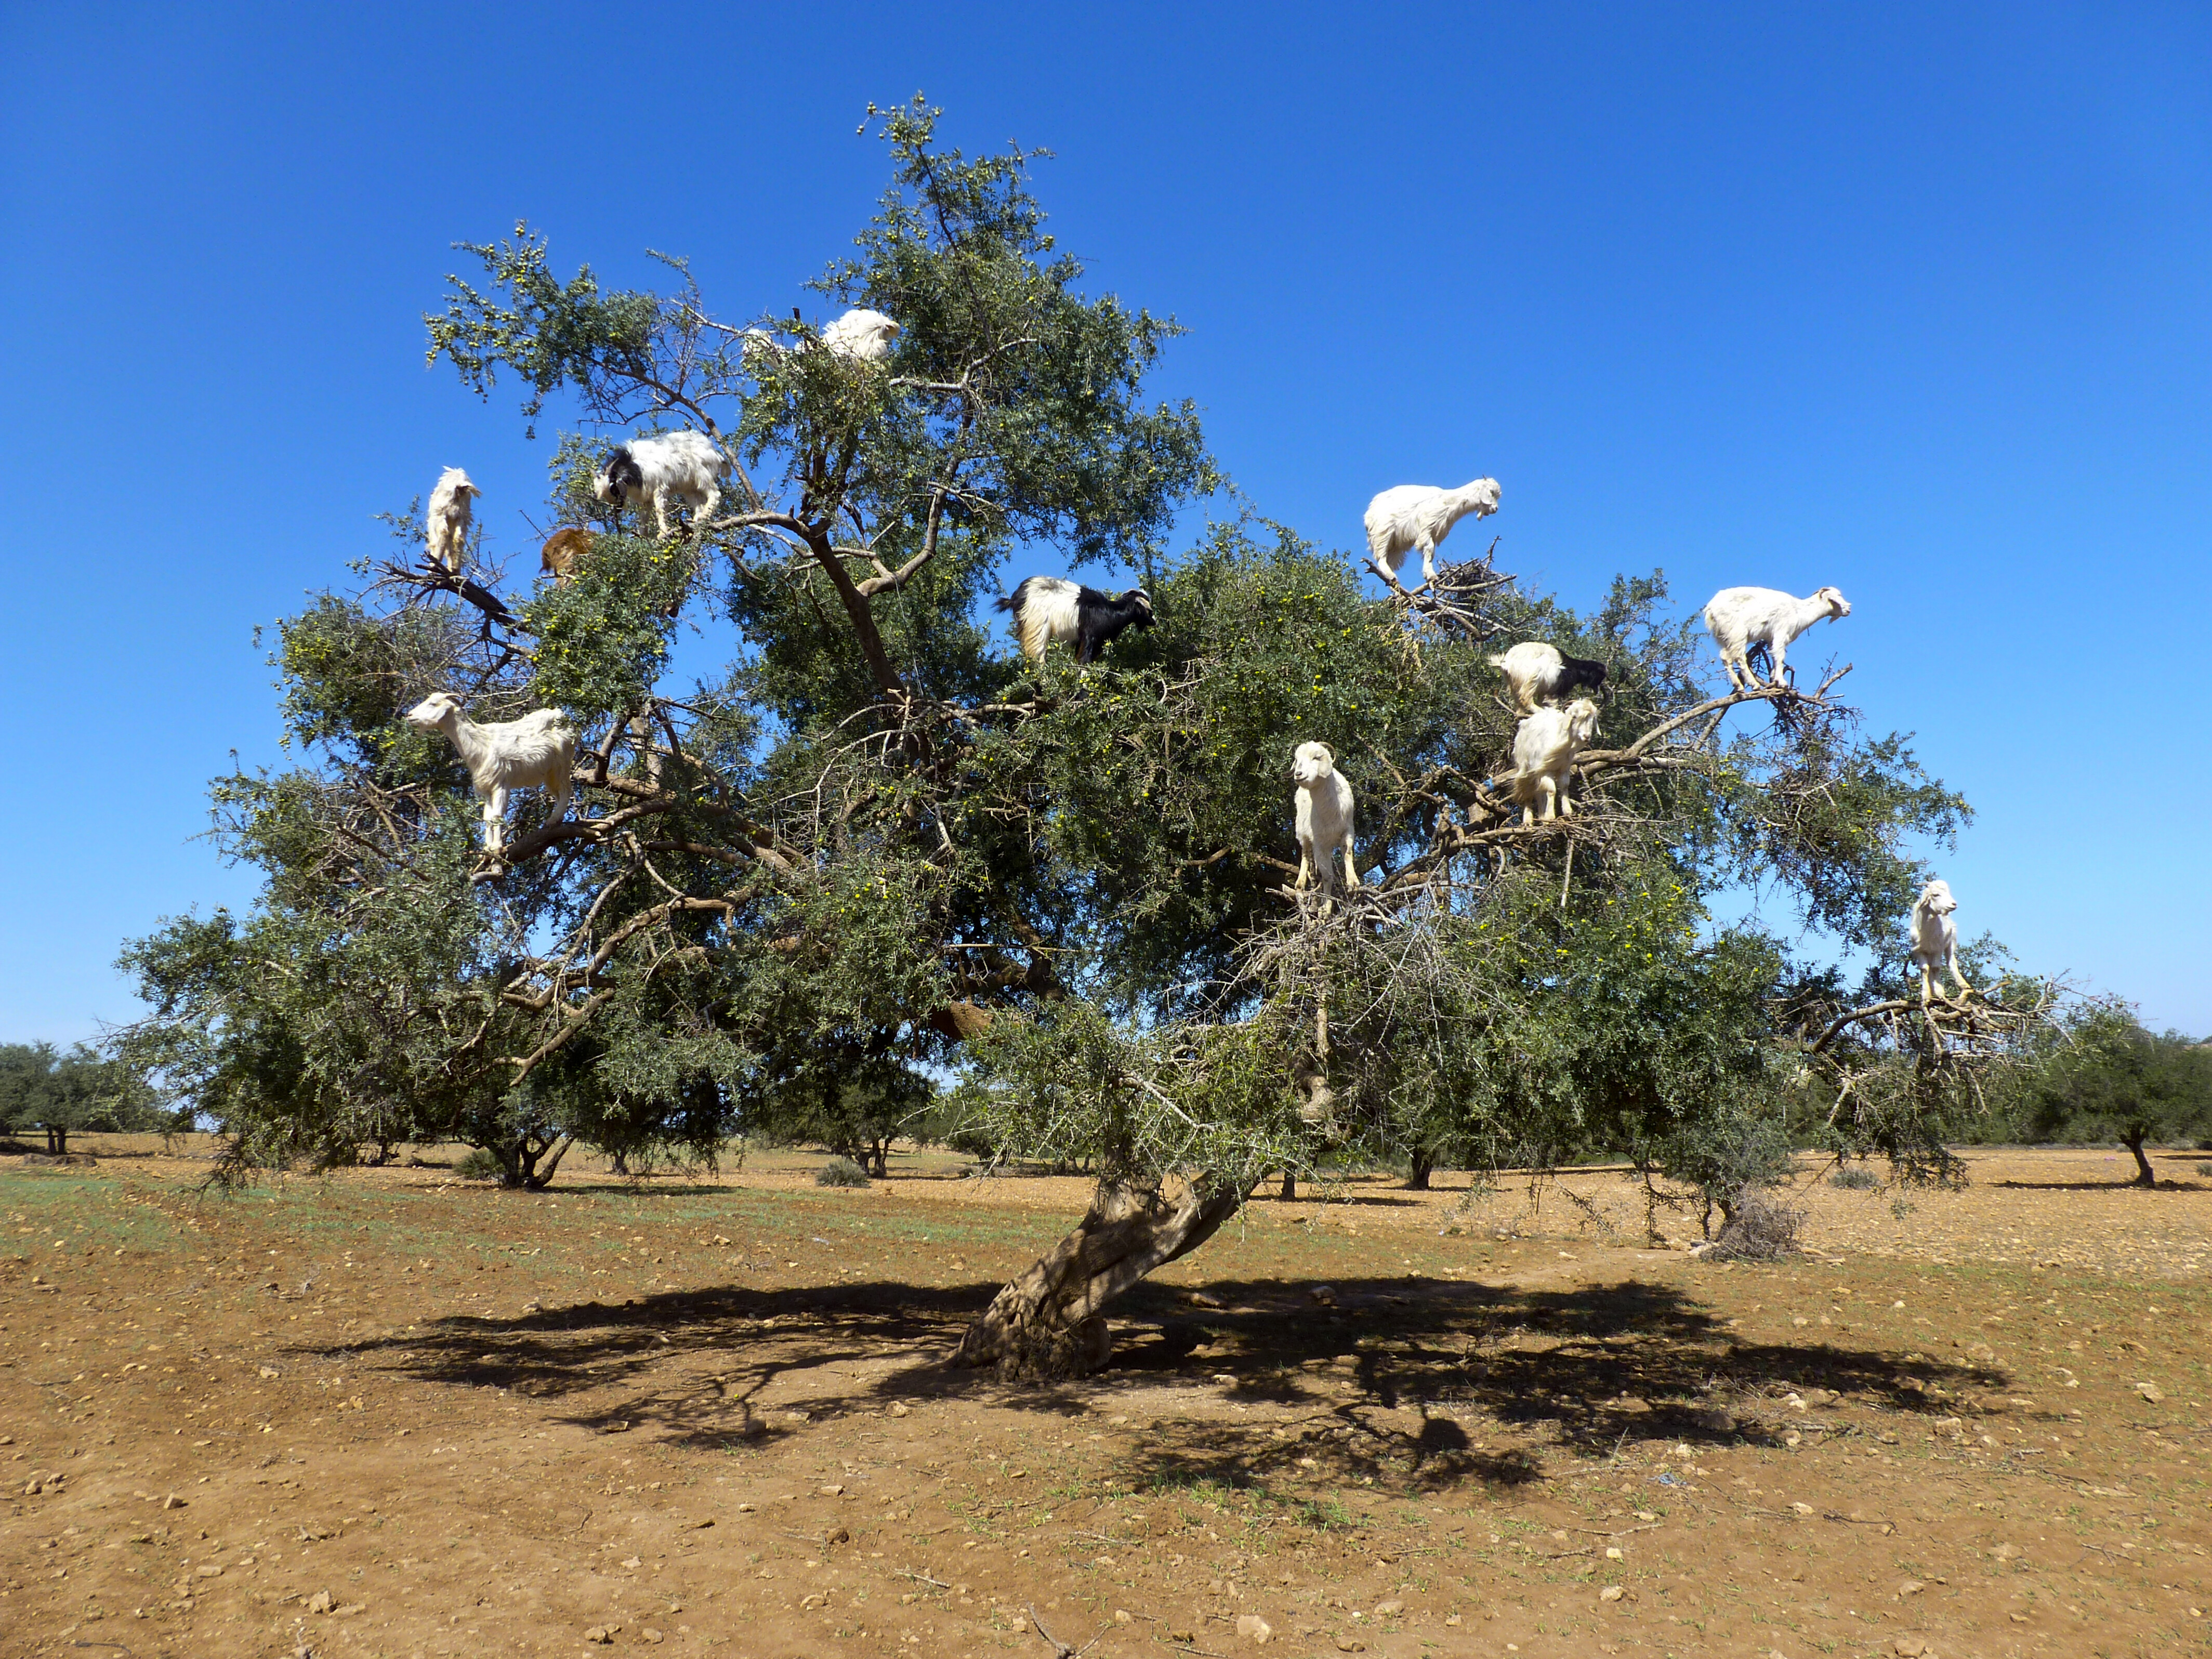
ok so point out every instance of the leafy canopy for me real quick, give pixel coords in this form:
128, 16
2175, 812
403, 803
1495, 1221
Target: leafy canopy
876, 845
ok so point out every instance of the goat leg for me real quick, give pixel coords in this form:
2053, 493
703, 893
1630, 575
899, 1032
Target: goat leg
1964, 990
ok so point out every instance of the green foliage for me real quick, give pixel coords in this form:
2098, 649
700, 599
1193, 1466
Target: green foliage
58, 1093
1725, 1157
548, 331
877, 845
602, 640
2107, 1078
349, 675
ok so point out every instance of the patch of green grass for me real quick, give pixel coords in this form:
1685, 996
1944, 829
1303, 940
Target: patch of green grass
1321, 1515
85, 1213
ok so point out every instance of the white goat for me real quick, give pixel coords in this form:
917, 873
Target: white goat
1741, 618
862, 336
1324, 816
1935, 939
449, 517
1409, 516
684, 465
1535, 672
538, 751
1544, 748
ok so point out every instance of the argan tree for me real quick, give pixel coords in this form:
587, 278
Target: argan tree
59, 1094
878, 845
2103, 1077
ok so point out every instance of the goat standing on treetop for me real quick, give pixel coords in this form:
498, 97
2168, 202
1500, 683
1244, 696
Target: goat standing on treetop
1740, 619
1324, 811
1535, 673
1409, 516
446, 521
1935, 939
1049, 608
536, 751
563, 548
684, 465
1544, 749
860, 336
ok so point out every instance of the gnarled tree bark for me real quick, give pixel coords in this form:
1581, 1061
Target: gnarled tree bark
1049, 1322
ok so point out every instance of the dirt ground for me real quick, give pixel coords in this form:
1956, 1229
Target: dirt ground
392, 1413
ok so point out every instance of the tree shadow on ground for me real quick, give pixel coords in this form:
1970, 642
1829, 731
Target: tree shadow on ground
1380, 1381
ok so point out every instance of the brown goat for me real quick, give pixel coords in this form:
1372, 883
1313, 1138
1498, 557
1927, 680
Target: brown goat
563, 548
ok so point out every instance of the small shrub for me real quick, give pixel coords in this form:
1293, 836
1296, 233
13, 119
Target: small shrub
2204, 1168
1761, 1229
841, 1172
1857, 1181
475, 1164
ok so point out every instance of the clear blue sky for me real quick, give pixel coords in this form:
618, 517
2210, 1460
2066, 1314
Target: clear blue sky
1908, 300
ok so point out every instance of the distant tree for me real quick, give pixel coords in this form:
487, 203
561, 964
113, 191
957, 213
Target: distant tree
57, 1093
855, 1106
2110, 1079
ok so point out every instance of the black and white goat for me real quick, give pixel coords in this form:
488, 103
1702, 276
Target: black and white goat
1049, 608
1536, 673
686, 466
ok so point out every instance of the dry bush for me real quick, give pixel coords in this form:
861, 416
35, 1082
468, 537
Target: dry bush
1761, 1229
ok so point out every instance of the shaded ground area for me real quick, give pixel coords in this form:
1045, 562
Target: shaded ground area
388, 1414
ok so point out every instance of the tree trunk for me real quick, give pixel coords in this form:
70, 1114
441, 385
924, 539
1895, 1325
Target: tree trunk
879, 1159
1290, 1186
2144, 1176
544, 1165
530, 1168
1047, 1323
1417, 1180
58, 1141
